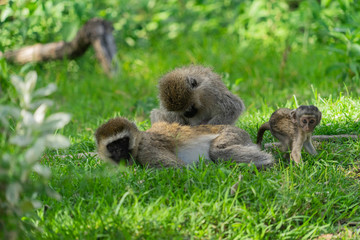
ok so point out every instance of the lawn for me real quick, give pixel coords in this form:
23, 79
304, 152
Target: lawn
320, 197
100, 200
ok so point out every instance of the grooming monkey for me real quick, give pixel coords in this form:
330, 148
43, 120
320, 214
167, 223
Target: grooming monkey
195, 95
293, 128
174, 145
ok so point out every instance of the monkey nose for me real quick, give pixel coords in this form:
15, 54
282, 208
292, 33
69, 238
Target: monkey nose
307, 129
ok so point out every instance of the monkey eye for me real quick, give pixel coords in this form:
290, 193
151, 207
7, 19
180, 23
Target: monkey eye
312, 121
304, 121
192, 81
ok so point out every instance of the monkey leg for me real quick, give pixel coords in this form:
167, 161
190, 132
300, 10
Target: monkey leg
242, 154
309, 147
296, 156
235, 144
230, 136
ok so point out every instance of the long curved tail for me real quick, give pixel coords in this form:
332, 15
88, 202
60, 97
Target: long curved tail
262, 129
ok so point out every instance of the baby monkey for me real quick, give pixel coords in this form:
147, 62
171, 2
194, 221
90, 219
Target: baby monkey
293, 128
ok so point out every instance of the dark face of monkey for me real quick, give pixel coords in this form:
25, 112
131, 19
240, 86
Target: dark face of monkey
307, 117
119, 149
191, 112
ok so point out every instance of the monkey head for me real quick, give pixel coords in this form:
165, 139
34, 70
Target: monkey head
177, 93
116, 140
307, 117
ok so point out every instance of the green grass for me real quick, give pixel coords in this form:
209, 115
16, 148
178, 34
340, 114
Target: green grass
102, 201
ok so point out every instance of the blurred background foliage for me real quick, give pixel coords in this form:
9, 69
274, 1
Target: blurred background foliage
259, 46
139, 22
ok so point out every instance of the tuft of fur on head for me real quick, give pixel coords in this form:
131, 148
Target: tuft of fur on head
176, 87
113, 127
174, 91
308, 109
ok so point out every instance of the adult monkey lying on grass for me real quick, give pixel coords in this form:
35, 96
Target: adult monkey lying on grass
173, 145
195, 95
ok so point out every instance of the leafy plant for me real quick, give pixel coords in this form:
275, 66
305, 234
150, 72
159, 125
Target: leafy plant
347, 45
25, 133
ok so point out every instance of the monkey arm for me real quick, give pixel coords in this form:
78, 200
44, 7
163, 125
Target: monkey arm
220, 120
309, 147
158, 158
160, 115
296, 149
228, 108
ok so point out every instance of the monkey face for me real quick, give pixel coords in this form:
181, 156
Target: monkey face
190, 112
307, 123
307, 117
119, 149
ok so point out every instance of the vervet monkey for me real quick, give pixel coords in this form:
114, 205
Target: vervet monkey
195, 95
174, 145
293, 128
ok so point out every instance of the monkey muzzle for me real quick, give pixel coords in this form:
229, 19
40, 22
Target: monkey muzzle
190, 112
119, 149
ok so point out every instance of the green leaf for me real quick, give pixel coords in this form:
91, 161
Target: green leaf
34, 153
335, 66
30, 81
26, 206
6, 112
13, 193
354, 68
5, 14
354, 50
39, 114
340, 36
57, 141
21, 140
45, 91
337, 50
56, 121
18, 83
69, 30
42, 170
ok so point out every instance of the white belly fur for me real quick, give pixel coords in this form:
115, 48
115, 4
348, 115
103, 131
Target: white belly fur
196, 148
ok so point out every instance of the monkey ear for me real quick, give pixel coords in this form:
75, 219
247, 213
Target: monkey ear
192, 82
293, 116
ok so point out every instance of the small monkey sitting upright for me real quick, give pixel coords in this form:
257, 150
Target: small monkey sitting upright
195, 95
174, 145
293, 128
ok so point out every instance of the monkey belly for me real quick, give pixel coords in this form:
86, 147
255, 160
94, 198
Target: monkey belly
196, 148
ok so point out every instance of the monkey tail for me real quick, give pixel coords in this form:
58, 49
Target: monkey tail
262, 129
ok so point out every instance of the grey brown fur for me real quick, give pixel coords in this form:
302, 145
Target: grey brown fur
195, 95
173, 145
293, 128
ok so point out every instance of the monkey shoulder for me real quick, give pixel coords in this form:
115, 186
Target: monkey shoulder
158, 139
